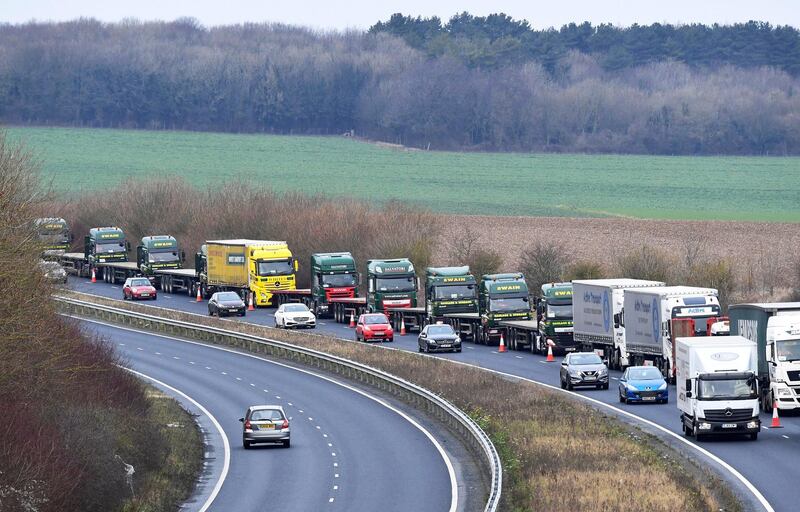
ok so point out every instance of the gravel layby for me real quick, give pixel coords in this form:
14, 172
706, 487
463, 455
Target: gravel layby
603, 240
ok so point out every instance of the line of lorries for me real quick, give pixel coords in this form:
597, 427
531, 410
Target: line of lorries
625, 322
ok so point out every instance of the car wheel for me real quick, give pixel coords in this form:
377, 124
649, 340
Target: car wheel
599, 386
458, 350
563, 384
419, 348
605, 386
242, 313
245, 444
390, 340
287, 443
570, 387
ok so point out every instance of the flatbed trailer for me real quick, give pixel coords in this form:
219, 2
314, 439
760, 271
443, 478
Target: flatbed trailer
178, 279
520, 333
414, 318
466, 325
75, 263
302, 295
117, 271
343, 308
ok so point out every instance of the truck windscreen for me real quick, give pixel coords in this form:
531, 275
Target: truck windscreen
559, 311
463, 291
110, 247
699, 315
395, 284
508, 304
788, 350
729, 389
275, 268
333, 280
162, 257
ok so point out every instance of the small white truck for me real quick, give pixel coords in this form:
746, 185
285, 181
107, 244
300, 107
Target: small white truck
717, 385
651, 316
596, 308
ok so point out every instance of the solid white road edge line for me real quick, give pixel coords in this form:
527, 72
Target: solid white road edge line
227, 462
450, 469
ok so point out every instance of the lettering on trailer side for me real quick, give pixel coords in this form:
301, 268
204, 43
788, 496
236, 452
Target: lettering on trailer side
748, 329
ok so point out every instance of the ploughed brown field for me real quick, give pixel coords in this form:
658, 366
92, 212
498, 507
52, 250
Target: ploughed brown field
751, 247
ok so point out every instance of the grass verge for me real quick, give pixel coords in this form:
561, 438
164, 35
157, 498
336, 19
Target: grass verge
558, 454
171, 481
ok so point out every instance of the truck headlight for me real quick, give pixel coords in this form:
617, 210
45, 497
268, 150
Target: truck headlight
784, 392
704, 426
752, 424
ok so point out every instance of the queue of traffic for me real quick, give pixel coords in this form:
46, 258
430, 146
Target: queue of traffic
655, 333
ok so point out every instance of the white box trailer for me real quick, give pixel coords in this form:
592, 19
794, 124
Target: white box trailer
596, 308
648, 315
717, 385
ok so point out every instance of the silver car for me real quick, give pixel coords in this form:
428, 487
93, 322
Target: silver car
583, 369
265, 424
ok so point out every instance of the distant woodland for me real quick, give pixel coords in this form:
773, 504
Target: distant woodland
474, 83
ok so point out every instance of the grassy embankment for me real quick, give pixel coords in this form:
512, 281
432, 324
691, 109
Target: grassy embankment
687, 188
558, 454
71, 418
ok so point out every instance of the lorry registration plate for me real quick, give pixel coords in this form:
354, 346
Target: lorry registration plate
729, 425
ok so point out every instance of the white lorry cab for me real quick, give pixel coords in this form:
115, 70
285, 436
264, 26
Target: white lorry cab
717, 386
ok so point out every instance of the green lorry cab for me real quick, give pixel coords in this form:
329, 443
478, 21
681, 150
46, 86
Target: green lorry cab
105, 245
392, 284
449, 290
158, 252
503, 297
333, 276
54, 235
554, 314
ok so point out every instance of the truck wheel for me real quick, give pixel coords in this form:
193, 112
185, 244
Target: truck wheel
696, 433
753, 436
767, 404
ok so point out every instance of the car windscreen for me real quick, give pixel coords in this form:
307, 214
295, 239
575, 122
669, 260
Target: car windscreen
581, 359
645, 374
395, 284
728, 389
440, 330
508, 304
295, 308
110, 247
140, 282
462, 291
228, 297
275, 268
266, 415
332, 280
376, 319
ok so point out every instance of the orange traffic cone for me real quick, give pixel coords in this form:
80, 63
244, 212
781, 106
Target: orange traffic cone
402, 327
352, 321
776, 421
94, 276
502, 347
252, 306
550, 357
199, 297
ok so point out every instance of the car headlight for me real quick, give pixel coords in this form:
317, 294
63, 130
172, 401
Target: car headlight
663, 386
630, 388
458, 339
602, 371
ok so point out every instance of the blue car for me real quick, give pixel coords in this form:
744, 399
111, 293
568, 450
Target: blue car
643, 384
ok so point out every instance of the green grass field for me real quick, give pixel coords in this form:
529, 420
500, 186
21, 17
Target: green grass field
702, 188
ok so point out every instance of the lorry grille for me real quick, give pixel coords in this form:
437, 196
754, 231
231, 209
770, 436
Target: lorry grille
793, 375
734, 416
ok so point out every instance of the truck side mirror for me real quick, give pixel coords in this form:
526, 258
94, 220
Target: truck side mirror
358, 278
127, 245
419, 285
688, 384
296, 266
71, 237
688, 394
617, 320
183, 256
768, 351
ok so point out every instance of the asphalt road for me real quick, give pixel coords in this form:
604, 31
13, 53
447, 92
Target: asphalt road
349, 452
769, 464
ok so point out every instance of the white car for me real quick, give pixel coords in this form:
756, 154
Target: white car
294, 315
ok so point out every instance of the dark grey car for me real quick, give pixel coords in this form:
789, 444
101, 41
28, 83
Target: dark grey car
583, 369
226, 303
265, 424
436, 337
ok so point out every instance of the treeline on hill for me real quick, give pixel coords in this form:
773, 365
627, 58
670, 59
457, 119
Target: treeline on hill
482, 83
71, 418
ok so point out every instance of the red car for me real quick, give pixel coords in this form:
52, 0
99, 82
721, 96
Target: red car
374, 326
138, 288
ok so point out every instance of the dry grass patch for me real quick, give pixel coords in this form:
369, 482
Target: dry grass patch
558, 454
